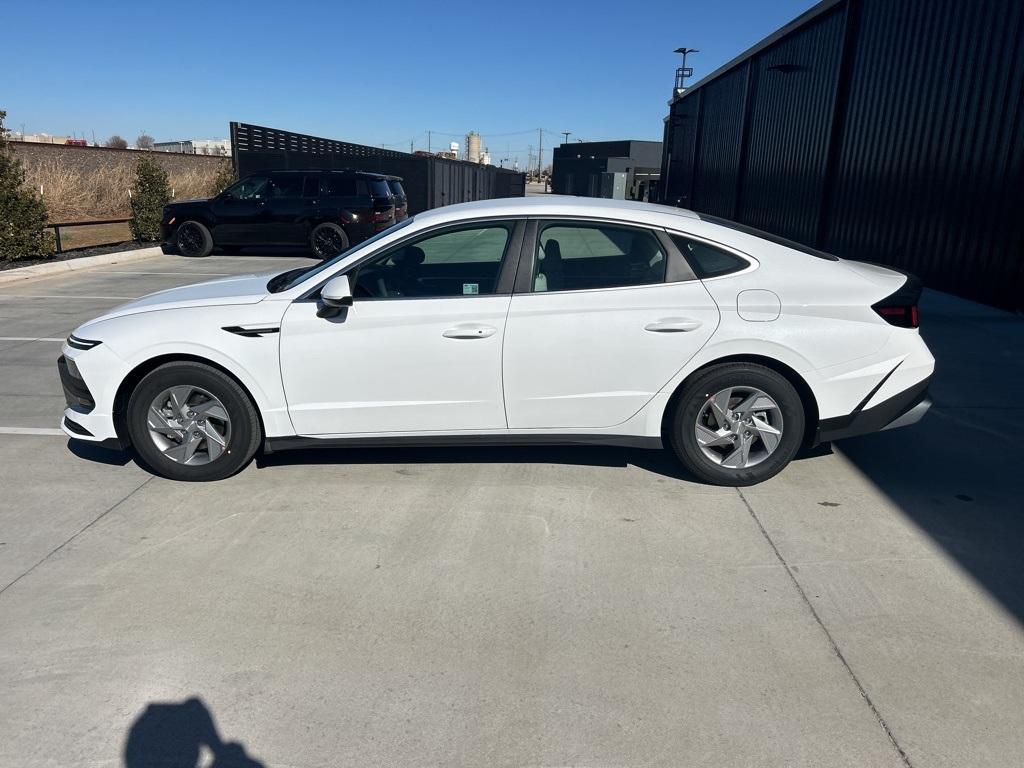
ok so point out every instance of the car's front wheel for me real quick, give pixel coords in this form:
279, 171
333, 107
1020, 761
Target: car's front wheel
190, 421
194, 239
737, 424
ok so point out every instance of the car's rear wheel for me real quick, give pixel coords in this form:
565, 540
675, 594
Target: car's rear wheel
190, 421
737, 424
327, 240
194, 239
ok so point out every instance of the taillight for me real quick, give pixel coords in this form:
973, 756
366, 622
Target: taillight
379, 216
904, 317
900, 308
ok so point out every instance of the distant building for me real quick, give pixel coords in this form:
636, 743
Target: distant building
473, 147
39, 138
196, 147
621, 169
485, 157
452, 153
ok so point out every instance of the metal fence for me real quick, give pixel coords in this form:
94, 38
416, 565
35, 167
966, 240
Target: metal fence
429, 181
881, 130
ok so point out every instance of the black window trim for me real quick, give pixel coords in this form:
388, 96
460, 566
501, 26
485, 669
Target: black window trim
677, 270
750, 261
507, 274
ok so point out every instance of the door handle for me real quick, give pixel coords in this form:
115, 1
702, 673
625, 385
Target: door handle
673, 325
469, 331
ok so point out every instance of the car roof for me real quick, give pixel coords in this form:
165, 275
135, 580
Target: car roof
559, 205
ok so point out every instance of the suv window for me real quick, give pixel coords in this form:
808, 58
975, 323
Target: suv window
379, 188
249, 188
287, 185
578, 257
396, 188
706, 260
460, 262
312, 187
339, 186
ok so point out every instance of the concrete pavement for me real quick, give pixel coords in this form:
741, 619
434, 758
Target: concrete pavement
519, 607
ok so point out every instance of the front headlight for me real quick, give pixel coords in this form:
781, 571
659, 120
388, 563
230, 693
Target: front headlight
76, 343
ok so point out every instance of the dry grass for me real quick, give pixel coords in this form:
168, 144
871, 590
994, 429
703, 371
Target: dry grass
75, 194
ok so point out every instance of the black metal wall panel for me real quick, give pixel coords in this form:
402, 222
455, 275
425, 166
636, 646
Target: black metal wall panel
718, 160
429, 182
883, 130
793, 95
930, 170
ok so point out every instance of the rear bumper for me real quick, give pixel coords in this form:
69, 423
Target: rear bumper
900, 410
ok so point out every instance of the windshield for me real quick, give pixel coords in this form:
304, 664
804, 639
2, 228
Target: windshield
293, 277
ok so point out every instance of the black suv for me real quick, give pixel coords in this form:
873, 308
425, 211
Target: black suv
326, 211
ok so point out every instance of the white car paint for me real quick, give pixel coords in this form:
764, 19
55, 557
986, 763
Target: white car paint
568, 362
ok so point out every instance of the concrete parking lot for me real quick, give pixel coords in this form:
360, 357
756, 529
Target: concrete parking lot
511, 607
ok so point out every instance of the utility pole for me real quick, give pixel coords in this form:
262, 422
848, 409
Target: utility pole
540, 153
567, 134
410, 145
428, 143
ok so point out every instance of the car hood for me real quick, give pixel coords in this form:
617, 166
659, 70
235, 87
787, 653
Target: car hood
243, 289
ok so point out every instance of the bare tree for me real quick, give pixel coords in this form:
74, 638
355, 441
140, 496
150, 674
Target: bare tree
145, 141
116, 142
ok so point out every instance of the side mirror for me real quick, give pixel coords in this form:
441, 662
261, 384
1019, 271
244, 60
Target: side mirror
335, 296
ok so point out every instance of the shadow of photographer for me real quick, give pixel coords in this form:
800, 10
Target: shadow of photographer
173, 735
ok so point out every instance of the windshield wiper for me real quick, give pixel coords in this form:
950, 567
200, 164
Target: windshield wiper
280, 282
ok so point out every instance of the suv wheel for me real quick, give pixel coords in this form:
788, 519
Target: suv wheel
737, 424
327, 240
193, 239
189, 421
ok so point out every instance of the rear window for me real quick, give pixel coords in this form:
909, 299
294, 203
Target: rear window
396, 188
769, 237
339, 186
379, 188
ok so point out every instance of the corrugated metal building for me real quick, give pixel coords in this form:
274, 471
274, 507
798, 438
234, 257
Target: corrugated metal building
881, 130
429, 181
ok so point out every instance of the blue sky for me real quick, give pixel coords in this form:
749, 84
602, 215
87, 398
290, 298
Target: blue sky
369, 72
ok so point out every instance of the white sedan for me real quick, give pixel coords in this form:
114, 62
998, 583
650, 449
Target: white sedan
534, 320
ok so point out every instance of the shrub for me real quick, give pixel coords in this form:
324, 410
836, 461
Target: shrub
225, 178
150, 193
116, 142
22, 213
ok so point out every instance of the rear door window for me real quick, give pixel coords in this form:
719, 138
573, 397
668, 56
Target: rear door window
339, 186
287, 185
311, 187
579, 257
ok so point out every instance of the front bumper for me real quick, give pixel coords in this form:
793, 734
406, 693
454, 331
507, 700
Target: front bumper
900, 410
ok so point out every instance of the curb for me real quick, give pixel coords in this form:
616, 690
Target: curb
21, 274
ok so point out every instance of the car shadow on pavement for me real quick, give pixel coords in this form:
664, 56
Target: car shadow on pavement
174, 734
99, 454
957, 474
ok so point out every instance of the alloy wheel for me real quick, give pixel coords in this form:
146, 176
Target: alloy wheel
327, 243
189, 425
190, 239
739, 427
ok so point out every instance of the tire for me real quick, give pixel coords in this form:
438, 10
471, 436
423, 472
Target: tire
327, 240
193, 239
163, 451
742, 386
